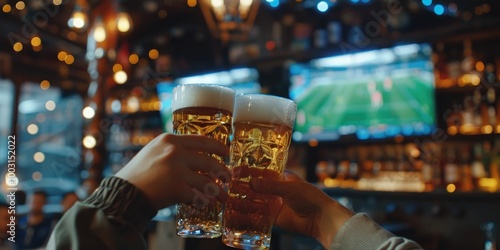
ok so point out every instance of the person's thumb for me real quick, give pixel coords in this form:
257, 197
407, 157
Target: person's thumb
275, 187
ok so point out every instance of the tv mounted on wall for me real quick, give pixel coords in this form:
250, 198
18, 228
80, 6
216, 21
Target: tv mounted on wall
366, 95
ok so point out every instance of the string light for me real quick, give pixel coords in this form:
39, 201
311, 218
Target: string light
123, 22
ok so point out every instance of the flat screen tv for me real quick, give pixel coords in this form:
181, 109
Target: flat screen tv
242, 80
366, 95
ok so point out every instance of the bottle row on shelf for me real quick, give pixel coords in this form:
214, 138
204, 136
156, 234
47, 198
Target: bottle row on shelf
449, 166
475, 112
466, 63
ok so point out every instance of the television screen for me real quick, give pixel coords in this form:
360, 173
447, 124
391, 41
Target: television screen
370, 95
242, 80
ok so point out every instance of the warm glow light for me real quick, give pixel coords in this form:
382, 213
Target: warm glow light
133, 59
88, 112
143, 140
44, 84
89, 141
32, 129
475, 80
217, 4
20, 5
37, 176
488, 184
123, 22
117, 67
18, 47
62, 55
50, 105
415, 152
451, 188
39, 157
69, 59
133, 104
157, 105
6, 8
452, 130
313, 142
192, 3
488, 129
120, 77
479, 66
78, 20
36, 41
153, 54
57, 2
99, 33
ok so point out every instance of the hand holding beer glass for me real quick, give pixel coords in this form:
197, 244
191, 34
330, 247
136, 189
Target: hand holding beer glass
262, 131
203, 109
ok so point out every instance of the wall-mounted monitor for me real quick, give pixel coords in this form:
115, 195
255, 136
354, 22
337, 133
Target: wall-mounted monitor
366, 95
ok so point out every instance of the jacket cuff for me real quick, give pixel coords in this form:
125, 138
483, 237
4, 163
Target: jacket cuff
123, 202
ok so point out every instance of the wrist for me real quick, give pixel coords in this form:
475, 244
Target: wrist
333, 216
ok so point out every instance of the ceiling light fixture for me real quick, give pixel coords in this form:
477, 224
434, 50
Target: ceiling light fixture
230, 20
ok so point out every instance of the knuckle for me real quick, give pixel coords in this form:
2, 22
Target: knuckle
169, 138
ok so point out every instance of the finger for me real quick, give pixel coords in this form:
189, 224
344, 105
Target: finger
291, 176
207, 164
275, 187
198, 143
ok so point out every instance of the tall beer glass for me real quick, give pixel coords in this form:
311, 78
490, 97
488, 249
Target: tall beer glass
262, 131
203, 109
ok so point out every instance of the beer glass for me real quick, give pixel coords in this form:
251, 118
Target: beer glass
262, 131
204, 109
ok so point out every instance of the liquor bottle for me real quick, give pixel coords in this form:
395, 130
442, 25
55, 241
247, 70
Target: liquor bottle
487, 157
366, 160
477, 167
321, 171
377, 162
452, 174
437, 165
343, 168
465, 167
491, 110
400, 160
389, 159
354, 169
428, 172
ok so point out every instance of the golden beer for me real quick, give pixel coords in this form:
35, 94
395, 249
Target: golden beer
205, 110
262, 131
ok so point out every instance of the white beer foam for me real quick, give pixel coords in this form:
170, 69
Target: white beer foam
264, 108
203, 95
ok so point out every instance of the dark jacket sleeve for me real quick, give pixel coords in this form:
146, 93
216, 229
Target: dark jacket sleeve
113, 217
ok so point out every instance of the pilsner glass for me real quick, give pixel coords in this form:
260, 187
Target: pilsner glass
204, 109
262, 131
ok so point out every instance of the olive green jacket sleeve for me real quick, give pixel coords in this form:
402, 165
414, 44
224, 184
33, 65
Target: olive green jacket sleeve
113, 217
362, 233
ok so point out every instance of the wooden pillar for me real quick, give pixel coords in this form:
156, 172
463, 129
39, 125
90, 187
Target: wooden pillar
100, 70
